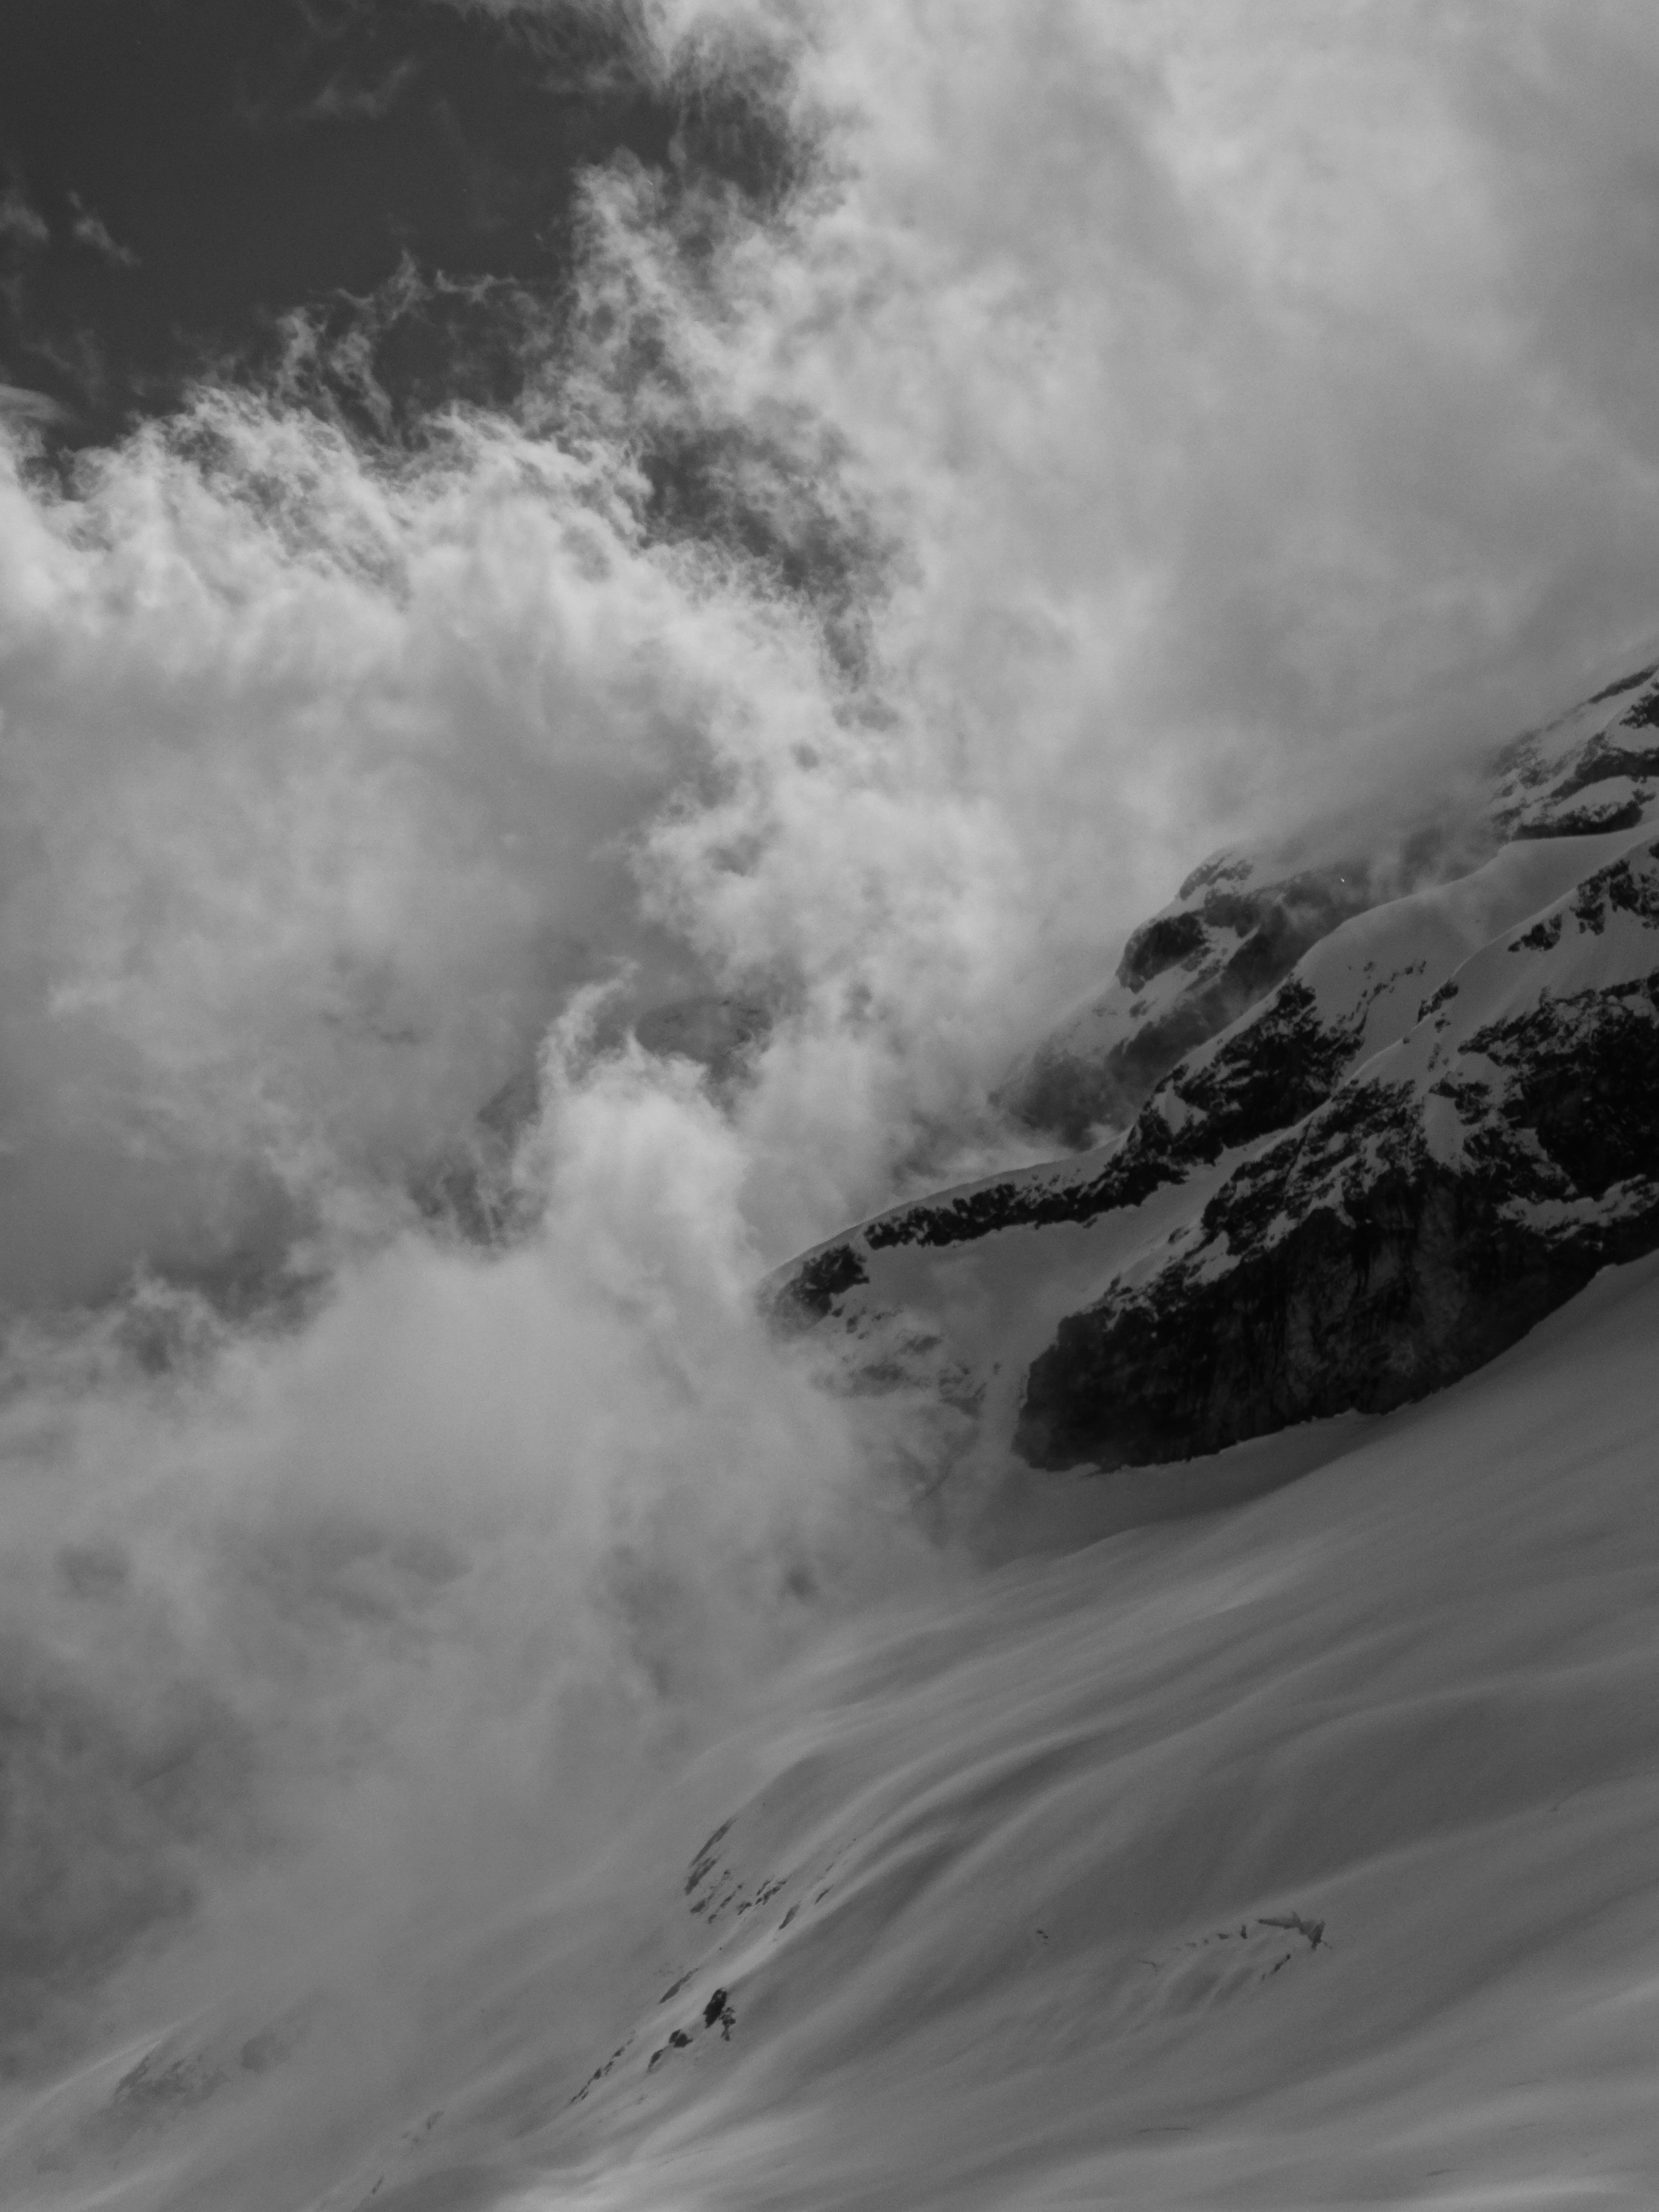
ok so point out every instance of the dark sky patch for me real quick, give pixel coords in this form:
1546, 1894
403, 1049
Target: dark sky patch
177, 176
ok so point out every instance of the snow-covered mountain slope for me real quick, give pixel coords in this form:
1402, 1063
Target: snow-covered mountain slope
1437, 1127
1235, 928
1242, 920
1295, 1857
1593, 770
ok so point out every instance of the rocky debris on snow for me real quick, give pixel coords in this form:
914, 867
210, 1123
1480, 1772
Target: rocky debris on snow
1226, 1966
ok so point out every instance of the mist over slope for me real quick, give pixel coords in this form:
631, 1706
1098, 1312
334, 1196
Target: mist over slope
1432, 1123
492, 864
1296, 1856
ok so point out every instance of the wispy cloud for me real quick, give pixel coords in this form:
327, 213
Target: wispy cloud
1110, 438
341, 100
90, 230
1098, 431
22, 222
343, 97
20, 404
1102, 440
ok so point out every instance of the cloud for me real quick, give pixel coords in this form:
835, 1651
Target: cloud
1222, 322
1171, 399
343, 97
319, 787
1084, 435
91, 231
19, 403
22, 222
340, 100
422, 1594
1089, 438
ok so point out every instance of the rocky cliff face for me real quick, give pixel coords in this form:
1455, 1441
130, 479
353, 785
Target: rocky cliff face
1432, 1128
1234, 930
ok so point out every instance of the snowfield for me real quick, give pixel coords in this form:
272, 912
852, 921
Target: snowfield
1297, 1855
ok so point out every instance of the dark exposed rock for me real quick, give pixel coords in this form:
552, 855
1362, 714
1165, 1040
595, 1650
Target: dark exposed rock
810, 1292
1236, 941
1358, 1310
703, 1865
1624, 683
1542, 937
1388, 1180
1602, 763
1269, 1075
1159, 944
1133, 1172
1585, 1081
1541, 775
1616, 889
1586, 822
1348, 1269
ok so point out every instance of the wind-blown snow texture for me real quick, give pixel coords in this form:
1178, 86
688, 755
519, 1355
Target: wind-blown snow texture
1437, 1127
1299, 1858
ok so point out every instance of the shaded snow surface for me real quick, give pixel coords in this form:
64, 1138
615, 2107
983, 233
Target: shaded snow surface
1298, 1855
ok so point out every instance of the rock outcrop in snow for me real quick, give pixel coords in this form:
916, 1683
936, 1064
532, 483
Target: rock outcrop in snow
1440, 1122
1234, 930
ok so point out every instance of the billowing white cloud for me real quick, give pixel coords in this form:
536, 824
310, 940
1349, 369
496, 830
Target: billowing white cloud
1186, 418
1142, 425
420, 1594
1226, 375
319, 786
